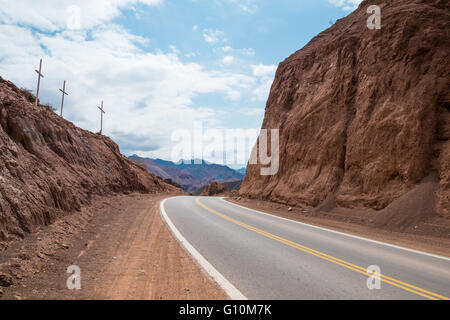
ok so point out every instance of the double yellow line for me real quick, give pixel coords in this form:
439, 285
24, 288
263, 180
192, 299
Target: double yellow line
394, 282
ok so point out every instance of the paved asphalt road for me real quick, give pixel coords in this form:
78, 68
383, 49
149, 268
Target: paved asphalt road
266, 257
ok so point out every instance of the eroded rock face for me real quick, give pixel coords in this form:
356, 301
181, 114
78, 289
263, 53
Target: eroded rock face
215, 189
49, 167
363, 114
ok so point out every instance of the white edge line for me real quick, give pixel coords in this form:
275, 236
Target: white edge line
232, 292
341, 233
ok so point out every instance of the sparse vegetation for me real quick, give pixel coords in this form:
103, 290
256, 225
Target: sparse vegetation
28, 94
173, 183
48, 106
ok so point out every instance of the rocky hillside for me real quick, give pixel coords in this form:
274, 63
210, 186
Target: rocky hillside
49, 167
364, 115
190, 176
214, 189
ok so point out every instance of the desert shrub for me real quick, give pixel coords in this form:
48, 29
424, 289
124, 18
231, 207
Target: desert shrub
28, 95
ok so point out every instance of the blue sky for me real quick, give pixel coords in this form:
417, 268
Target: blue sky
160, 65
274, 30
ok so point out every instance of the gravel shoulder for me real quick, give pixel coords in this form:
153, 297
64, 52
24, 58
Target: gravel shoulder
124, 251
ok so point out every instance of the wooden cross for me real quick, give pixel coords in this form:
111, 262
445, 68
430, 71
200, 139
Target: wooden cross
101, 118
64, 93
40, 75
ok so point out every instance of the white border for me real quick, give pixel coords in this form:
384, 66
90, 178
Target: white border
229, 289
340, 233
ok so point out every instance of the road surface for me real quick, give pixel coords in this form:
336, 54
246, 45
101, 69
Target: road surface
267, 257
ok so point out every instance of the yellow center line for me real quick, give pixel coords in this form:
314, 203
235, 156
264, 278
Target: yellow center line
394, 282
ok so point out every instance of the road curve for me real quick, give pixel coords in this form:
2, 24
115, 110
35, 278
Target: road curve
267, 257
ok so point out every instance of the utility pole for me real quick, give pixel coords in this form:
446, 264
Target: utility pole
64, 93
101, 117
40, 75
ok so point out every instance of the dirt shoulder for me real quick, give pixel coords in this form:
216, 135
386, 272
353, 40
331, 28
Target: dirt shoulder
124, 251
431, 235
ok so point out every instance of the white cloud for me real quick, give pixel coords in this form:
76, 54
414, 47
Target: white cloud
190, 55
253, 112
261, 70
227, 49
246, 6
147, 95
261, 93
248, 51
265, 75
234, 95
347, 5
174, 49
49, 15
227, 60
245, 51
214, 36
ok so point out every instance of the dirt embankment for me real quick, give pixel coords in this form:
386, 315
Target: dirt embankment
364, 117
49, 167
124, 251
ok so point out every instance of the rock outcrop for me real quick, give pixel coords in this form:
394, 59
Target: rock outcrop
49, 167
364, 115
215, 189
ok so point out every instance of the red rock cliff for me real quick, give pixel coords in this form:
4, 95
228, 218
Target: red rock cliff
364, 114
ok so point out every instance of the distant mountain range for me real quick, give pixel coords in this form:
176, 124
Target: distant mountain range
188, 175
